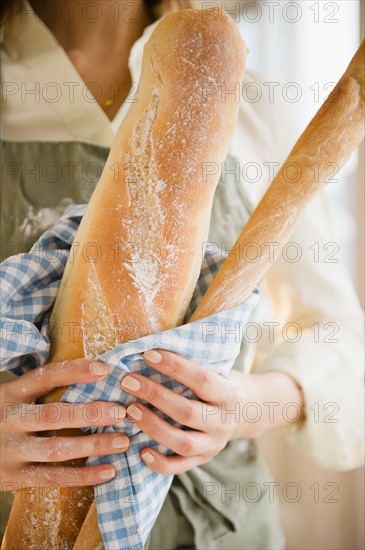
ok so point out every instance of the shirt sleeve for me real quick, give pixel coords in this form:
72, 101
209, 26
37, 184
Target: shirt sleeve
321, 343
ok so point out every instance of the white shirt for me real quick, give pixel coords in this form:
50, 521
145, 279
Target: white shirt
310, 296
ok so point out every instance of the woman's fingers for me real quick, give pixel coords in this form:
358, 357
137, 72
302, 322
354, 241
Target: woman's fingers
24, 457
28, 387
208, 386
43, 476
59, 449
187, 412
27, 418
182, 442
171, 464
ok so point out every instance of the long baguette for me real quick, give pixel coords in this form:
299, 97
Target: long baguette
137, 254
331, 137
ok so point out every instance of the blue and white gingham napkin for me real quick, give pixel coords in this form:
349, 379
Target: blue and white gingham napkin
129, 504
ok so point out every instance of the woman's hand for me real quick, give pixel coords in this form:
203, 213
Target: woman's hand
26, 458
244, 406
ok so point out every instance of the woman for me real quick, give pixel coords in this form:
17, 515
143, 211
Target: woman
68, 70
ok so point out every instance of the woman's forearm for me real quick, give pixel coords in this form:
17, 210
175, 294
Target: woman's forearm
269, 401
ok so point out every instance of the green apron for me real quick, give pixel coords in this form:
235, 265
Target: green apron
227, 503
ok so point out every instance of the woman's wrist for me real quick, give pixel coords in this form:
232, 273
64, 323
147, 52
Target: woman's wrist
270, 401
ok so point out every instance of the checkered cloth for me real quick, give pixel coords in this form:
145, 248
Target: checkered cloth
129, 504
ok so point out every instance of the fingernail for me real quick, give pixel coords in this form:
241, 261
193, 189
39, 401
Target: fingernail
147, 457
99, 369
107, 473
120, 442
152, 356
135, 413
130, 383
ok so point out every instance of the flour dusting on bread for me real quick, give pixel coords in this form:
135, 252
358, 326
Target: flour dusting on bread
97, 324
148, 264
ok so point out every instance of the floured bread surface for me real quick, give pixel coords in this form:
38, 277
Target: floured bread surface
47, 517
149, 214
152, 257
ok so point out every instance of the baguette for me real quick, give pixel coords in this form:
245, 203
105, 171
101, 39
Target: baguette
137, 253
150, 211
333, 134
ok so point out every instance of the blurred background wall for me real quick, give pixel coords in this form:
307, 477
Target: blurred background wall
310, 43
